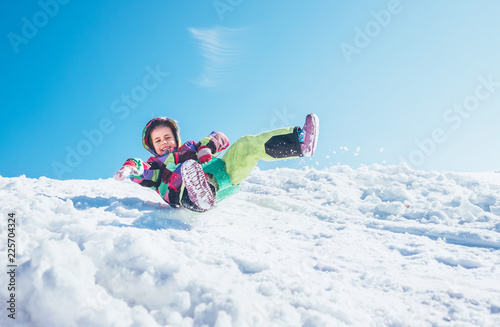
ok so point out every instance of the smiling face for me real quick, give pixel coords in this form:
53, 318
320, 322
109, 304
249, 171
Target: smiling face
163, 139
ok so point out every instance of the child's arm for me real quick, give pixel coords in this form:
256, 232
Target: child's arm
132, 167
211, 145
143, 173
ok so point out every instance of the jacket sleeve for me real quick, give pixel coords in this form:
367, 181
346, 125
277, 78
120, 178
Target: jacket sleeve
150, 175
216, 142
158, 177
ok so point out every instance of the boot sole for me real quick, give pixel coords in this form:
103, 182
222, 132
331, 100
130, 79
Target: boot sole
314, 138
196, 185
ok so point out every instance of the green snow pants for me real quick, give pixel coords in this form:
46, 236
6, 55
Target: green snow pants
241, 157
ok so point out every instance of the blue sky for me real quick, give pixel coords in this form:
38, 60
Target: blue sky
413, 81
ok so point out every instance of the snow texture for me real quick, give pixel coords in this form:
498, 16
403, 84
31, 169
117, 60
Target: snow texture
375, 246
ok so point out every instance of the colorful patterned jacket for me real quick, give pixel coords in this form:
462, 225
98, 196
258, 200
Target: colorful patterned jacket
162, 173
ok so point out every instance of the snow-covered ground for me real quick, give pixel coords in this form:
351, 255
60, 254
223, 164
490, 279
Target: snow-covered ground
375, 246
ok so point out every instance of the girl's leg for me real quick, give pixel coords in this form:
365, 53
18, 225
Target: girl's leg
243, 155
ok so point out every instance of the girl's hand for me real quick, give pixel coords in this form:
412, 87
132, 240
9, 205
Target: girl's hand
131, 167
123, 173
204, 154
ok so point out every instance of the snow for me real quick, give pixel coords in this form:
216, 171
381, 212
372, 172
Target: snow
375, 246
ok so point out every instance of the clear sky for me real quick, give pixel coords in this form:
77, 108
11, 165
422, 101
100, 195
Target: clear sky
391, 81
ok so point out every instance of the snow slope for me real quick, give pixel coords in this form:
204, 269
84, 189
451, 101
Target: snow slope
376, 246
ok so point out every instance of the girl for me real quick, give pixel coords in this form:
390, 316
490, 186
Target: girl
189, 175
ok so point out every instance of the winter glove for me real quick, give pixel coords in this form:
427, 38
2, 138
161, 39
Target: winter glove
204, 154
132, 167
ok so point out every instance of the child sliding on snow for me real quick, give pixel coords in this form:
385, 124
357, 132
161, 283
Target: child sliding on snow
175, 172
